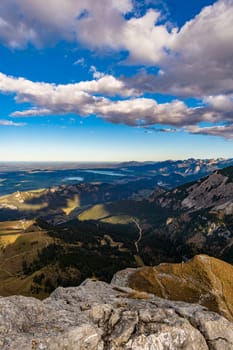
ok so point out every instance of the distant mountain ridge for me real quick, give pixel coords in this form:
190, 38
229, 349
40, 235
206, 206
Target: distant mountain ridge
185, 167
168, 174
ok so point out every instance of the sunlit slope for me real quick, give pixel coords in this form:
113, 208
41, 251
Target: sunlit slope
20, 242
124, 212
10, 231
204, 280
36, 257
8, 227
63, 202
102, 213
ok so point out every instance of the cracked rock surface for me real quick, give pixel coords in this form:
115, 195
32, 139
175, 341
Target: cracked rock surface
100, 316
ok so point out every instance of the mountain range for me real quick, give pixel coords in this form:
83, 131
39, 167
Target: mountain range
64, 234
169, 174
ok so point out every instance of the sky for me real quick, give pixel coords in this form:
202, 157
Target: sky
115, 80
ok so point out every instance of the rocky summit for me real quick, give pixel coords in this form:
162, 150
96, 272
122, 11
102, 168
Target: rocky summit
101, 316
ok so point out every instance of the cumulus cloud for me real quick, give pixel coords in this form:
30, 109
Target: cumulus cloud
119, 33
23, 22
203, 44
97, 24
195, 60
192, 61
145, 111
46, 21
39, 92
220, 102
84, 100
199, 57
205, 50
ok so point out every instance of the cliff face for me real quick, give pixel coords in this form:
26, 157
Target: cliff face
99, 316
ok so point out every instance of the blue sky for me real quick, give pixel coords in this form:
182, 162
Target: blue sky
115, 80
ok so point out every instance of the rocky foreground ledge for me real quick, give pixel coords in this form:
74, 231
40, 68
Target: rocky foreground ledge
99, 316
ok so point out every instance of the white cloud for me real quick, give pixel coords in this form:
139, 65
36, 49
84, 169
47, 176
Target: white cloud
225, 131
153, 39
151, 130
97, 24
145, 111
80, 62
48, 21
51, 99
195, 60
95, 73
4, 122
220, 102
31, 112
204, 42
199, 60
47, 94
85, 98
205, 50
119, 33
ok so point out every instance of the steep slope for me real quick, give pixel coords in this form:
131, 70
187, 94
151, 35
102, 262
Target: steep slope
212, 192
204, 280
215, 192
98, 316
201, 217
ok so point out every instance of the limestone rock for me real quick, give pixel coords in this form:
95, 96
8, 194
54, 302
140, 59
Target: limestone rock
99, 316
